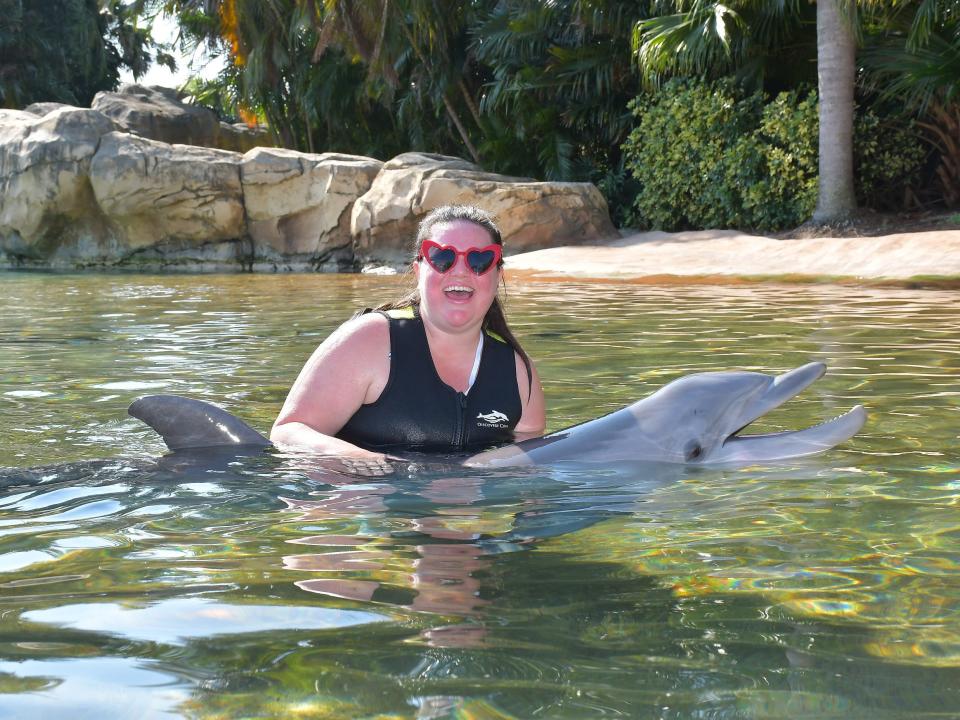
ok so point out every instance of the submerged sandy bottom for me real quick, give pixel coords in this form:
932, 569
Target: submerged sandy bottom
731, 253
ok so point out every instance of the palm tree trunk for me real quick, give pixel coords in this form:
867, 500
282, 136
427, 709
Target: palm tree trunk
309, 131
943, 133
836, 53
468, 99
464, 135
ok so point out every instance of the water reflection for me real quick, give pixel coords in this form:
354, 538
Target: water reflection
134, 583
416, 551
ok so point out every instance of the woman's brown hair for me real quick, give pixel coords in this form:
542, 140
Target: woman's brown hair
495, 321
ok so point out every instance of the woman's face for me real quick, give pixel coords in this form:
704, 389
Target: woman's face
458, 299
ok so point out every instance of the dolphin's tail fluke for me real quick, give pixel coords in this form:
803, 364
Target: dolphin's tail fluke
184, 423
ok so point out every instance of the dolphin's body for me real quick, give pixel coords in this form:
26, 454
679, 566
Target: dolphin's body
696, 419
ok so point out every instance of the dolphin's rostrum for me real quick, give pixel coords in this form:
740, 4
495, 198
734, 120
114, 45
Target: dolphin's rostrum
695, 419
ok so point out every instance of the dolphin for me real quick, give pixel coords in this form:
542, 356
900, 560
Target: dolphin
187, 424
696, 419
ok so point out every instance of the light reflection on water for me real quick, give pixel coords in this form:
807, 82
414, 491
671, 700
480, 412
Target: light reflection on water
235, 586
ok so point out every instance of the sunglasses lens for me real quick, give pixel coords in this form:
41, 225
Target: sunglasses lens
441, 259
480, 260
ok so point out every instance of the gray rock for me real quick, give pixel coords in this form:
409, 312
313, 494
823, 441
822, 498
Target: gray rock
298, 205
176, 196
157, 113
48, 214
42, 108
531, 215
79, 190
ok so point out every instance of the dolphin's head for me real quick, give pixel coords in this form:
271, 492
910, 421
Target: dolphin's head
697, 419
700, 418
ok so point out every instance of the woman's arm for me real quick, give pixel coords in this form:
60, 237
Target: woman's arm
533, 421
349, 368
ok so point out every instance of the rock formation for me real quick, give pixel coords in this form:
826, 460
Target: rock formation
298, 205
169, 200
531, 215
139, 182
48, 215
159, 114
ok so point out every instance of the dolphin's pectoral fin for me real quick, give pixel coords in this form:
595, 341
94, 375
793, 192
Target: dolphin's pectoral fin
184, 423
742, 449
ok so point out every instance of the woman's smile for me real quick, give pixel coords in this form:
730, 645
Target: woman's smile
458, 293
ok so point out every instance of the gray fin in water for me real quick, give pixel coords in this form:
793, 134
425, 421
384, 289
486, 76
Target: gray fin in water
184, 423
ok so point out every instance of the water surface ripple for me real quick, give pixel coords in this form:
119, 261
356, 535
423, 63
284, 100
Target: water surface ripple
134, 583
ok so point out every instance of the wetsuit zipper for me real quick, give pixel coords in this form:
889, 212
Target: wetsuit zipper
458, 439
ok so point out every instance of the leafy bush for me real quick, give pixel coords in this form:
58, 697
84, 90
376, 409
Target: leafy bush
782, 188
888, 156
681, 151
708, 155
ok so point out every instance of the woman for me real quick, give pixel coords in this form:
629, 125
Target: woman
437, 370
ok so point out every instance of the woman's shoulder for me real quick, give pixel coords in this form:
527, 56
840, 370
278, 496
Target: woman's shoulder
361, 333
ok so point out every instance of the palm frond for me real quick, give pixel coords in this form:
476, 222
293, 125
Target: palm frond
917, 76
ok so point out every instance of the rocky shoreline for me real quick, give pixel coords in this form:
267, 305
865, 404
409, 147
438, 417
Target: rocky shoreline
143, 181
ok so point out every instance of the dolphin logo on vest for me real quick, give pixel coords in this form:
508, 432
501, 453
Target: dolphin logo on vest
494, 418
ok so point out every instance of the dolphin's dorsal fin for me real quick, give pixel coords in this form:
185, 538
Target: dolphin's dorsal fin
184, 423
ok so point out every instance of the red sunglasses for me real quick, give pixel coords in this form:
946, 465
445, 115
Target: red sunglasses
443, 257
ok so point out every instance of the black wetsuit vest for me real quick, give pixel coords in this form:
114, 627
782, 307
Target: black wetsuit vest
418, 410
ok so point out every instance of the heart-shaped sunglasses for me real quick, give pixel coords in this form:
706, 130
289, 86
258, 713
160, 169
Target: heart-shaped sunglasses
443, 257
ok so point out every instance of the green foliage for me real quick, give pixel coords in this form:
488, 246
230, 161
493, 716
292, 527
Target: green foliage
691, 152
909, 52
619, 188
709, 155
783, 189
888, 155
68, 50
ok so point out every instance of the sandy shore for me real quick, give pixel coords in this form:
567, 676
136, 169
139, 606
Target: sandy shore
723, 255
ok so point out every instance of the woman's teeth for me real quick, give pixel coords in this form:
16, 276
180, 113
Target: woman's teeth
458, 290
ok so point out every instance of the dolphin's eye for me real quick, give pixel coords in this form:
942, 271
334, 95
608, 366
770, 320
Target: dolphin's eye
693, 451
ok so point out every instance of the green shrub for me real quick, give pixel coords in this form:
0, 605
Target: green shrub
707, 155
679, 152
781, 190
888, 156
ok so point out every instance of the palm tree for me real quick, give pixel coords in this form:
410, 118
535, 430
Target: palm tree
560, 82
762, 43
741, 36
836, 53
68, 50
311, 106
709, 37
419, 36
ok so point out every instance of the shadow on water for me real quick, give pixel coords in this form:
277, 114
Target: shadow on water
265, 585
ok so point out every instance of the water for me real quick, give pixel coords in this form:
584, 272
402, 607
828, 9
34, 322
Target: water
265, 586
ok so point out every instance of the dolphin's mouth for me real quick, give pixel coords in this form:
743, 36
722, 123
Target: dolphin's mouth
742, 448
